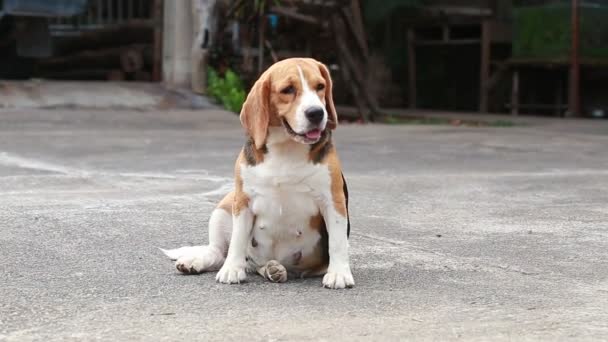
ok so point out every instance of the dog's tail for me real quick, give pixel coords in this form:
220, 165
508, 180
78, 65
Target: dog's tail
177, 253
196, 259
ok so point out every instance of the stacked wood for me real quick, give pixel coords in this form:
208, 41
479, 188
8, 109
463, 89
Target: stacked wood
136, 58
117, 53
133, 32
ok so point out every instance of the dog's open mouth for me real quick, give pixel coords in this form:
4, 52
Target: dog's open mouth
309, 137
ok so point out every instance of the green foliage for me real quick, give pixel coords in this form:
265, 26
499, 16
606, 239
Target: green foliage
228, 90
543, 32
502, 123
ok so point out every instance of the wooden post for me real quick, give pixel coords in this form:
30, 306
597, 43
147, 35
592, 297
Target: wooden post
346, 56
359, 27
308, 48
411, 63
485, 65
348, 80
356, 73
515, 93
574, 103
558, 98
273, 54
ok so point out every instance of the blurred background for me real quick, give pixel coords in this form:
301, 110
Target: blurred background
478, 206
534, 57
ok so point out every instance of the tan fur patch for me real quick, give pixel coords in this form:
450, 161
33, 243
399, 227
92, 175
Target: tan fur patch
337, 182
316, 262
317, 222
226, 202
241, 200
255, 114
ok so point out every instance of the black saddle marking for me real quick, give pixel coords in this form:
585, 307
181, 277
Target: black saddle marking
345, 189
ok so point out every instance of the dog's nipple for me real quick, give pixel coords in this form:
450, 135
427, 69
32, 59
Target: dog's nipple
296, 257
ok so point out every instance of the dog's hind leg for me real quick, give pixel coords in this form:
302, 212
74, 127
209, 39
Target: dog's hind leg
273, 271
198, 259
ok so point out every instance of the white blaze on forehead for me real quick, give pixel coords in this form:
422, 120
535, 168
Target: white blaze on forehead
305, 87
308, 99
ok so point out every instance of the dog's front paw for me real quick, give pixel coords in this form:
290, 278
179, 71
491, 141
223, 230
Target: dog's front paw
231, 274
338, 279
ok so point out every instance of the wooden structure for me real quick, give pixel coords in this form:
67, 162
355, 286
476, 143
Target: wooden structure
443, 20
341, 23
571, 48
548, 37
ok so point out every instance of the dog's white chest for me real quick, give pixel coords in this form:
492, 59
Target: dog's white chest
284, 193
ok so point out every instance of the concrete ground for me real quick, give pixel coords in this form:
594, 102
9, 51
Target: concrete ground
45, 94
458, 232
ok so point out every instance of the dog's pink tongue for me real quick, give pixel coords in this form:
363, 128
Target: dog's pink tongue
314, 134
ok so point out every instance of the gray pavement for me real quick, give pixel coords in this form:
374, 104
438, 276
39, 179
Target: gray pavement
458, 233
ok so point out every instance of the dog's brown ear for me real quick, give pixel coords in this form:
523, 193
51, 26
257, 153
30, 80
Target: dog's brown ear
255, 114
332, 120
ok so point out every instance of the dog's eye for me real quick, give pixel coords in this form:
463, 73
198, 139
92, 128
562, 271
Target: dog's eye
288, 90
320, 86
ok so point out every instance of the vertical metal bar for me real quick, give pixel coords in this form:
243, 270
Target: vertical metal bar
141, 9
515, 93
110, 12
574, 102
99, 12
119, 17
90, 15
411, 67
81, 20
130, 9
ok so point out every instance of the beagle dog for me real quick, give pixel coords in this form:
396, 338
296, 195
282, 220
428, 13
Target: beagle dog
288, 213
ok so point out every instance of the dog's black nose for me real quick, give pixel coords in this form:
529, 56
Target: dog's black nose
314, 115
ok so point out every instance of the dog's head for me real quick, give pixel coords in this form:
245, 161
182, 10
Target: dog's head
295, 93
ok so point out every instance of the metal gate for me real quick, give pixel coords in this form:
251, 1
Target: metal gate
101, 14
